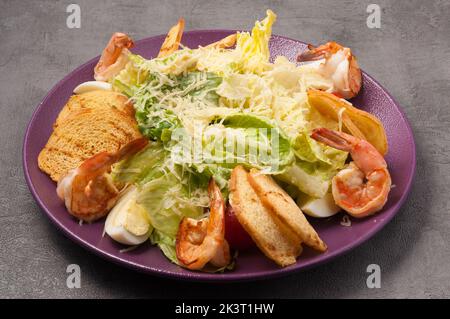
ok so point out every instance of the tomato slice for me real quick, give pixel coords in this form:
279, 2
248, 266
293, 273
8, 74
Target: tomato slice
235, 234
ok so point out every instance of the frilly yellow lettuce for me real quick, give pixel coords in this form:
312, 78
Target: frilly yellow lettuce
254, 47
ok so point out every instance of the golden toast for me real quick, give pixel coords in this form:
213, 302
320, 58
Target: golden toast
97, 99
90, 123
283, 207
256, 219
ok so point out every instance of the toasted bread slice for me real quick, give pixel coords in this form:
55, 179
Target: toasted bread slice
172, 40
226, 42
256, 219
83, 134
97, 99
285, 209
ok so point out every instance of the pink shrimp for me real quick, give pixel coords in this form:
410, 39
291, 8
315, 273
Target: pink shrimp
114, 57
88, 191
338, 64
362, 188
202, 241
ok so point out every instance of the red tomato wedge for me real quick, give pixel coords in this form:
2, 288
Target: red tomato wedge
235, 234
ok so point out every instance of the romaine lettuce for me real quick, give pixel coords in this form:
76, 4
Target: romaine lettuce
160, 108
142, 166
245, 139
309, 150
312, 181
131, 77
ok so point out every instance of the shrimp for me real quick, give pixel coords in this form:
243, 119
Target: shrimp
88, 191
362, 188
337, 63
202, 241
114, 57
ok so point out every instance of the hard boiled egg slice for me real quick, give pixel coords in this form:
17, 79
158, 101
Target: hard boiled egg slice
128, 222
319, 207
92, 86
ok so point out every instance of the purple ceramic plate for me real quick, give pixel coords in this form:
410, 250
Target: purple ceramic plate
250, 265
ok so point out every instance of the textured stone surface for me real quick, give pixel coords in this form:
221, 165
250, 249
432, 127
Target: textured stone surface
409, 55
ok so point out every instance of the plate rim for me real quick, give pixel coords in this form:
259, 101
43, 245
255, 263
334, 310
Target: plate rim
201, 276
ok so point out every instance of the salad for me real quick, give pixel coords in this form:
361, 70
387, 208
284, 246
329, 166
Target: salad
236, 146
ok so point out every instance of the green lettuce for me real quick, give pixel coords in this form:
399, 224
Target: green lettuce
167, 201
309, 150
243, 139
166, 243
157, 124
313, 179
141, 167
154, 102
274, 149
315, 166
131, 77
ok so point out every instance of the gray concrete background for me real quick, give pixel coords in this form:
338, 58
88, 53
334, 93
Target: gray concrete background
409, 55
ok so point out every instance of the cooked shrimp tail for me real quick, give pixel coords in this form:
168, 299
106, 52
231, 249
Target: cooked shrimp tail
362, 152
339, 65
331, 138
114, 57
101, 163
131, 148
202, 241
362, 188
88, 191
315, 53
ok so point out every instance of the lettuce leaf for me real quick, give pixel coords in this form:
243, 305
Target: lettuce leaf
236, 139
266, 136
309, 178
141, 167
167, 202
131, 77
166, 243
245, 139
158, 106
168, 199
157, 124
309, 150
